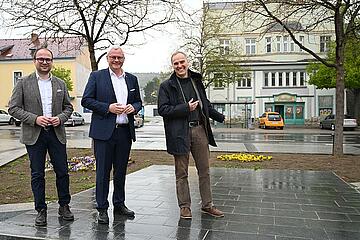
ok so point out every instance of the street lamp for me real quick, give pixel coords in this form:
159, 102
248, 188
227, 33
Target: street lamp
199, 58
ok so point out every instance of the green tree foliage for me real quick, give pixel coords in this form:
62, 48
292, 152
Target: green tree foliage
150, 91
325, 77
151, 88
64, 74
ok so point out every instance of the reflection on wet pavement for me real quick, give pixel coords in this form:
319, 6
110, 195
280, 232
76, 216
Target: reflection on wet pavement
262, 204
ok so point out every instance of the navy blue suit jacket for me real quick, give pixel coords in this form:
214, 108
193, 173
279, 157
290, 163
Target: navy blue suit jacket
99, 94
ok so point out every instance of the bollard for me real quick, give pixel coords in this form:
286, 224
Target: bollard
333, 142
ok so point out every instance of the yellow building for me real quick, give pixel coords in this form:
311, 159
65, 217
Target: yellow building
16, 61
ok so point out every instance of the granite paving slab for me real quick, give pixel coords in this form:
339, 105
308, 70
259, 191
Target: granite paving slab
258, 204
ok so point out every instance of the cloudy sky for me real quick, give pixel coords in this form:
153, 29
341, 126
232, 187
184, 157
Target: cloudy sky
154, 52
153, 56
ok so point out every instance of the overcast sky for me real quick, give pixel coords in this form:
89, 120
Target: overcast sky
152, 56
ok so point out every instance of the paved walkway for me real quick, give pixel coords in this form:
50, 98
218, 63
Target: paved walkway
262, 205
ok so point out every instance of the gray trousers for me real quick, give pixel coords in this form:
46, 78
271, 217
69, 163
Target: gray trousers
199, 149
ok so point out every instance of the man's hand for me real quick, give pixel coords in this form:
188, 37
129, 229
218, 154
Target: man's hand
55, 121
117, 108
43, 121
129, 109
193, 105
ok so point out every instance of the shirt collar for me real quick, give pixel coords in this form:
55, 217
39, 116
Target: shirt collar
38, 77
112, 73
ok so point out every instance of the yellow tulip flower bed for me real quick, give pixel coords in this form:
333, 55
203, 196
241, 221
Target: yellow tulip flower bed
244, 157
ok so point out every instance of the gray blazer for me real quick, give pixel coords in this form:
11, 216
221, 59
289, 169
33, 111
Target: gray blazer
25, 105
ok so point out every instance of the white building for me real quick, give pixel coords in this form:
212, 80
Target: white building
276, 78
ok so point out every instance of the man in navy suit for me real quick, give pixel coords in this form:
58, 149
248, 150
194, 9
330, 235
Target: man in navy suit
114, 97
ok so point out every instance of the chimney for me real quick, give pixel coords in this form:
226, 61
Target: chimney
35, 43
35, 39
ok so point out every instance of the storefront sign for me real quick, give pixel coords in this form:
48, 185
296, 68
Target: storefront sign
284, 98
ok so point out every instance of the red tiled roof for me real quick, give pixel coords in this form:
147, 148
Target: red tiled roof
21, 49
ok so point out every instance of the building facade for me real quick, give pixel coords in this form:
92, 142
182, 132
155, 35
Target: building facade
275, 78
16, 62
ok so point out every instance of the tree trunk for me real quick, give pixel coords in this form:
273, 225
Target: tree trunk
94, 65
338, 149
339, 121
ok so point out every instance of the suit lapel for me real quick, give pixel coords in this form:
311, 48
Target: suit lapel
54, 88
127, 80
34, 85
109, 84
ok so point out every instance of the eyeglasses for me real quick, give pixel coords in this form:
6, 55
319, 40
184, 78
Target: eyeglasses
42, 60
116, 58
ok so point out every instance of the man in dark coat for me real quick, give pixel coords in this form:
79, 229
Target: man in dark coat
185, 109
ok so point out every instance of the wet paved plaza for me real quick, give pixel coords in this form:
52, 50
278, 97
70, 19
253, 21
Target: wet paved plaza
262, 204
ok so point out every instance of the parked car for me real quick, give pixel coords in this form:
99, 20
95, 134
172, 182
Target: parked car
6, 118
329, 122
75, 119
138, 121
271, 120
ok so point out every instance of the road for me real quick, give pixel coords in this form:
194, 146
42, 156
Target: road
151, 137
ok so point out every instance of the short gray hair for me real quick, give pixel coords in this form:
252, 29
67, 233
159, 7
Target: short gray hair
177, 52
111, 48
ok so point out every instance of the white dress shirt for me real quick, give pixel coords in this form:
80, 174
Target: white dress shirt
45, 89
121, 92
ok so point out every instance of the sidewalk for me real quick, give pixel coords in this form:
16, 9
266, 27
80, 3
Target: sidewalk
262, 205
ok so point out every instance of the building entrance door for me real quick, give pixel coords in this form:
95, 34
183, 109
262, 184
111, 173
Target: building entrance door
279, 109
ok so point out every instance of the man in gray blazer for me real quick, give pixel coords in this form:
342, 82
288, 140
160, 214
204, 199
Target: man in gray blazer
41, 102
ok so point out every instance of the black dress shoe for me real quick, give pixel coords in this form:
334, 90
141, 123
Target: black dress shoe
65, 213
40, 219
103, 217
123, 210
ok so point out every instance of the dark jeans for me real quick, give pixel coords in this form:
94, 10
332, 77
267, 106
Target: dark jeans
200, 151
48, 142
113, 153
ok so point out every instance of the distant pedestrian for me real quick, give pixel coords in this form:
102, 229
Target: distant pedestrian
113, 95
41, 102
185, 109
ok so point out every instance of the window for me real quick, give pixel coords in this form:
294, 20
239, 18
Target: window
302, 78
301, 40
224, 46
324, 43
280, 79
292, 46
218, 80
244, 80
268, 44
325, 106
16, 77
219, 107
241, 107
278, 43
266, 79
250, 45
294, 78
273, 79
286, 43
287, 79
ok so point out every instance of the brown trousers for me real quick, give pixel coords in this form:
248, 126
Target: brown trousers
199, 149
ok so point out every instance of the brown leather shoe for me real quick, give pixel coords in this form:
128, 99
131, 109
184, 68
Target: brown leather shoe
185, 213
213, 211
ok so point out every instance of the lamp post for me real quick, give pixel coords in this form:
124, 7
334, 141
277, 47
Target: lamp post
199, 58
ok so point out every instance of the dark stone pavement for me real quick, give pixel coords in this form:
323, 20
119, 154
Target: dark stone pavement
262, 205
